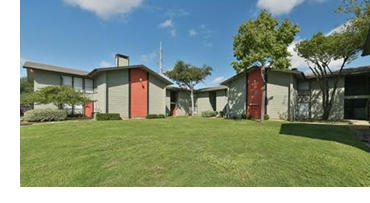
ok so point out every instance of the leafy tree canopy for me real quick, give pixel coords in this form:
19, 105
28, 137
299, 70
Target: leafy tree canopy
57, 95
264, 42
187, 75
26, 86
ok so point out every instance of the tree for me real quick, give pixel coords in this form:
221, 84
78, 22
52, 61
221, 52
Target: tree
59, 96
263, 43
345, 45
188, 76
25, 85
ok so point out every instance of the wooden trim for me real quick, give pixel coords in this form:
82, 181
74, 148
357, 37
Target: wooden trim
147, 95
106, 94
129, 93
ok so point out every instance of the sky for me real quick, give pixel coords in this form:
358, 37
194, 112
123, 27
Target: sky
86, 34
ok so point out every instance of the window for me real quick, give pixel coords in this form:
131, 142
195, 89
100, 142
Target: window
304, 88
67, 81
356, 86
78, 84
303, 85
89, 86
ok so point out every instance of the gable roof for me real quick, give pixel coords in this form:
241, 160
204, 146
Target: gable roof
295, 72
209, 89
160, 77
58, 69
348, 71
45, 67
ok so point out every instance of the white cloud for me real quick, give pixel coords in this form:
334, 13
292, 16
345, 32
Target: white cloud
296, 61
280, 7
148, 57
192, 32
23, 60
300, 63
166, 23
106, 64
170, 25
338, 29
106, 9
218, 79
174, 13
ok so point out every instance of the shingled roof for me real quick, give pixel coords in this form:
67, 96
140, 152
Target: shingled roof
45, 67
348, 71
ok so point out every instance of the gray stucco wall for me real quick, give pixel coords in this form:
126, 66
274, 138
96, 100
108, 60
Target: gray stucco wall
237, 96
100, 90
221, 100
203, 102
293, 98
43, 79
118, 89
278, 95
337, 112
183, 103
157, 96
168, 102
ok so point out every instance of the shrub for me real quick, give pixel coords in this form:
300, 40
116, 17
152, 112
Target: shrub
107, 116
243, 116
154, 116
267, 117
41, 115
208, 114
220, 114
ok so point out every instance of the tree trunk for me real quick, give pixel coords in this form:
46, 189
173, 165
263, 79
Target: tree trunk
192, 101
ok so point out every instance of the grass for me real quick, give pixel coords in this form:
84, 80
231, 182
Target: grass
191, 152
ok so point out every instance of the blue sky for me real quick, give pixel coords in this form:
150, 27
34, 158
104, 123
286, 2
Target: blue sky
85, 34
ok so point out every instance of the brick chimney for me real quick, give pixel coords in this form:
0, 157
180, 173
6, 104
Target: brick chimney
122, 60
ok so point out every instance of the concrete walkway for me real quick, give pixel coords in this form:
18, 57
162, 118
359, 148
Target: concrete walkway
359, 122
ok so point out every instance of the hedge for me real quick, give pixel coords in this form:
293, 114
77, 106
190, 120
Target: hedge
208, 114
153, 116
107, 116
41, 115
267, 117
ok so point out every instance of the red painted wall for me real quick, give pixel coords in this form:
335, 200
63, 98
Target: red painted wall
89, 109
139, 93
254, 93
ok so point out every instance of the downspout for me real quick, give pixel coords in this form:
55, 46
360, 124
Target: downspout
289, 98
228, 102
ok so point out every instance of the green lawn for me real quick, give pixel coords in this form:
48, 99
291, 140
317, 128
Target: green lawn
191, 152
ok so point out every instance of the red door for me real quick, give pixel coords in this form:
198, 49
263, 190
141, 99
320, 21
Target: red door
138, 93
89, 106
255, 93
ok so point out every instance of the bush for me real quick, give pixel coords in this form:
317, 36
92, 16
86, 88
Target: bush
221, 114
243, 116
154, 116
208, 114
41, 115
107, 116
267, 117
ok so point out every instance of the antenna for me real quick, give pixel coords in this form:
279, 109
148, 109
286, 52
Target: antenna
160, 62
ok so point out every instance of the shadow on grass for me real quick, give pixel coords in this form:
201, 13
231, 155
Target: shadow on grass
340, 134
